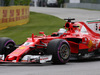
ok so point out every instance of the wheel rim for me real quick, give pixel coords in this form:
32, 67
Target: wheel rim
9, 45
9, 48
64, 51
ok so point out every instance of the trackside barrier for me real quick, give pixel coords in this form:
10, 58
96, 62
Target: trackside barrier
13, 15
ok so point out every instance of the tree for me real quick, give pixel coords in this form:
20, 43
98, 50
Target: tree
6, 2
17, 2
22, 2
60, 2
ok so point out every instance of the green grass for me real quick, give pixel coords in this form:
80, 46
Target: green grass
38, 22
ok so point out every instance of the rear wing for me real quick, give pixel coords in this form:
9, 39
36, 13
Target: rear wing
94, 25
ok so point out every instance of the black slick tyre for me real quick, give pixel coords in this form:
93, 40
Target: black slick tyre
6, 45
60, 51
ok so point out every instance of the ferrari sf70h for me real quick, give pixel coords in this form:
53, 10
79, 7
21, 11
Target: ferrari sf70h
76, 39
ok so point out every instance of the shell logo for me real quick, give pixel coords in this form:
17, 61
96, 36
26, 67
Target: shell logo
22, 47
90, 44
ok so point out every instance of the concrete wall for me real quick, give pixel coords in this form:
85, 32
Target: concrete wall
74, 1
83, 5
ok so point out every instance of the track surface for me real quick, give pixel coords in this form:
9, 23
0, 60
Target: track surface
91, 67
78, 14
71, 68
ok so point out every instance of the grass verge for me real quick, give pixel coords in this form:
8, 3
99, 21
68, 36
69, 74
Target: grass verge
38, 22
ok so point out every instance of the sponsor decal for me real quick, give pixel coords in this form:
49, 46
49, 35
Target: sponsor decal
15, 52
22, 47
90, 44
43, 58
13, 15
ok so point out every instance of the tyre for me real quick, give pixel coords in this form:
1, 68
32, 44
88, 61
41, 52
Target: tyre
6, 45
60, 51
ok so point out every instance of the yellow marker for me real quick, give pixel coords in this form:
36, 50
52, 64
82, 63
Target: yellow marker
79, 26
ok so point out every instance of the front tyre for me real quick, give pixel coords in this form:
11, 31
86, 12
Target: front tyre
60, 51
6, 45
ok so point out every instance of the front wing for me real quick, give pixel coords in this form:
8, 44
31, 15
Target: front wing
29, 59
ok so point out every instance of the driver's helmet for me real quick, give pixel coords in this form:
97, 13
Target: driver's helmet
62, 30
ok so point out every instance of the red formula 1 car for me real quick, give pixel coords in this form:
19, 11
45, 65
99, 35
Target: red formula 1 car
78, 39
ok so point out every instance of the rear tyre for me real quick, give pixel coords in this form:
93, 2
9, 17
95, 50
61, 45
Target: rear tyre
60, 51
6, 46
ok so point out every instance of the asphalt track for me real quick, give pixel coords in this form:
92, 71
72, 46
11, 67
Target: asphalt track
78, 14
84, 67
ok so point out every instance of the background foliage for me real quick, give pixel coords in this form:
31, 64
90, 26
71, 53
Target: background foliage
22, 2
17, 2
6, 2
60, 2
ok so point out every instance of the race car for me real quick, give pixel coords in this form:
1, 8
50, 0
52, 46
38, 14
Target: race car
76, 39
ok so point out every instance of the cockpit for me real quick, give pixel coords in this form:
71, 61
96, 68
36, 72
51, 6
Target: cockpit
60, 32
